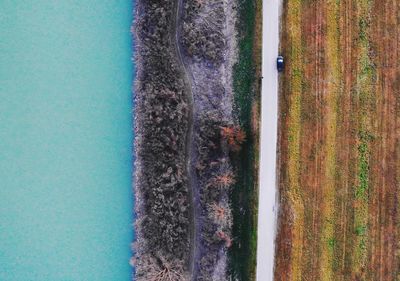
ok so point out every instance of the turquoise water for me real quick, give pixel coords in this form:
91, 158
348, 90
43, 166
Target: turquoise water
65, 140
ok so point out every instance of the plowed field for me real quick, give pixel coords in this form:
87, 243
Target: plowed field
339, 141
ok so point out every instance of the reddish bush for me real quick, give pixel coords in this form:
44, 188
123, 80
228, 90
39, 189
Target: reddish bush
220, 214
226, 237
223, 180
234, 136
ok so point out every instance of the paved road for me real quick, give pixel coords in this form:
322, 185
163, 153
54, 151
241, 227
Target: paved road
269, 121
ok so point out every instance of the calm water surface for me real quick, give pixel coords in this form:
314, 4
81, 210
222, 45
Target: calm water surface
65, 140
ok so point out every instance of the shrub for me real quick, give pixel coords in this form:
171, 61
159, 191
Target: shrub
234, 136
161, 117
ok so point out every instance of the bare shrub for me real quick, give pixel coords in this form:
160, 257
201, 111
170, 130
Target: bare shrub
221, 214
161, 118
153, 268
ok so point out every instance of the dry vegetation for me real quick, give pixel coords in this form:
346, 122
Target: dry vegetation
162, 117
190, 142
339, 141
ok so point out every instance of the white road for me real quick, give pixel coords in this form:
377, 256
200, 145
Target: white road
269, 122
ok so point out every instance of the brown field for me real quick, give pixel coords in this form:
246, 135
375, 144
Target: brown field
339, 141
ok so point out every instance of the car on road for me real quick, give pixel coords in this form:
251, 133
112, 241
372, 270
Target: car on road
280, 63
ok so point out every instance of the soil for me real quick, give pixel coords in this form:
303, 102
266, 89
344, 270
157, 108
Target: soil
339, 141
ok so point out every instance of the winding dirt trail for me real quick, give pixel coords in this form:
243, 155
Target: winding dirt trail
189, 137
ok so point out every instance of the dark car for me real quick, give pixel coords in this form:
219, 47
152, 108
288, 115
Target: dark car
280, 63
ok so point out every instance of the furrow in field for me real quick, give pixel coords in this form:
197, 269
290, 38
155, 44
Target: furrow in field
343, 232
318, 128
364, 97
331, 92
311, 125
384, 246
284, 236
291, 215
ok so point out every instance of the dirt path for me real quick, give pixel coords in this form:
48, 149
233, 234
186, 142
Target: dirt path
189, 138
208, 72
